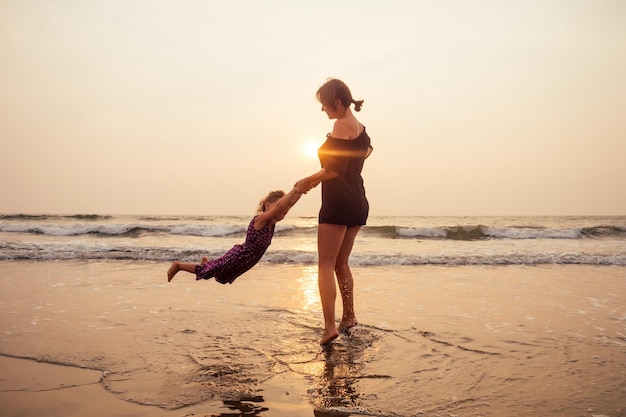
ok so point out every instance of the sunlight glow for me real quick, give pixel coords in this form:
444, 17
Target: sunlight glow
308, 286
310, 149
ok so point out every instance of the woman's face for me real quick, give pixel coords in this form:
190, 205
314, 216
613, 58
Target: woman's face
333, 113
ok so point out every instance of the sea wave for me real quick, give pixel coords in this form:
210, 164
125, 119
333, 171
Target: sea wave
93, 217
487, 232
225, 229
100, 251
121, 229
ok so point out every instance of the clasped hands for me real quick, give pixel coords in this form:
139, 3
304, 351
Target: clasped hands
304, 185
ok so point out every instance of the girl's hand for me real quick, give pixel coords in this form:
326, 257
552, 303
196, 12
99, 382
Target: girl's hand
303, 186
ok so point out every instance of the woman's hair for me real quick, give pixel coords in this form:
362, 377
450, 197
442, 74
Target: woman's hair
335, 89
270, 198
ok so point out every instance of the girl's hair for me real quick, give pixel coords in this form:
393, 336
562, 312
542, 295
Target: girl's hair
335, 89
270, 198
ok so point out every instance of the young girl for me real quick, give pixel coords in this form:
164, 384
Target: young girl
241, 258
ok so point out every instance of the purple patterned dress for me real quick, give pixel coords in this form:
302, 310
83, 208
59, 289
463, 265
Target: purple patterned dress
240, 258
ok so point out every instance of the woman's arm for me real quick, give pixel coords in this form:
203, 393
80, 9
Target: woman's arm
312, 181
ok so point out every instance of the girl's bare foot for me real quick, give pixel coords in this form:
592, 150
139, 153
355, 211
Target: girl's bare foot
173, 270
346, 325
329, 336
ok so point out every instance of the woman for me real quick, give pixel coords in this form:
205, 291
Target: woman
344, 205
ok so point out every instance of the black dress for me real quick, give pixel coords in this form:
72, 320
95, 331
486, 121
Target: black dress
343, 197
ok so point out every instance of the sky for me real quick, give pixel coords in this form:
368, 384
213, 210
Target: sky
199, 107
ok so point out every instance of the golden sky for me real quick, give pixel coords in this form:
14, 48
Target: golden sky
202, 107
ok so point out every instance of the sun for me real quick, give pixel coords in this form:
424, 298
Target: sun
310, 149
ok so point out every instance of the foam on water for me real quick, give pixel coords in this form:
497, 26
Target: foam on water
385, 241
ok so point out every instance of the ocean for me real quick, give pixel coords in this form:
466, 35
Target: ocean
386, 240
458, 316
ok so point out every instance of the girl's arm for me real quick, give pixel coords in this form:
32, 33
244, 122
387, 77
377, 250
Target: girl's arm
279, 210
287, 201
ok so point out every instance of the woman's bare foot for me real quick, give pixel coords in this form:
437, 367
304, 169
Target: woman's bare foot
329, 336
346, 325
173, 270
204, 260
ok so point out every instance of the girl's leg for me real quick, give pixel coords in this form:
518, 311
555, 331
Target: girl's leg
329, 240
179, 266
345, 280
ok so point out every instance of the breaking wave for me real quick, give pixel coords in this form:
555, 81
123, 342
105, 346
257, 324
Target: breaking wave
99, 251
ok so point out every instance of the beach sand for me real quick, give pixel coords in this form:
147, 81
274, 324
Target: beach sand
115, 339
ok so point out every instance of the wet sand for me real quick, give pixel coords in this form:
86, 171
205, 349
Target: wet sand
115, 339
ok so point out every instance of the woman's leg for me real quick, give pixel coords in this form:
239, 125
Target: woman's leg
345, 280
329, 241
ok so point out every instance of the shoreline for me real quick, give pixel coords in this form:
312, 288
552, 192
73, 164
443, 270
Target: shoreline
487, 341
34, 388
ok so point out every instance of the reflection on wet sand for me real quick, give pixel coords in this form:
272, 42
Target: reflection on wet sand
244, 407
344, 363
308, 289
335, 372
339, 378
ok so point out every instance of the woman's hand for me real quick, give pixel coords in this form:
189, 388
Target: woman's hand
304, 185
